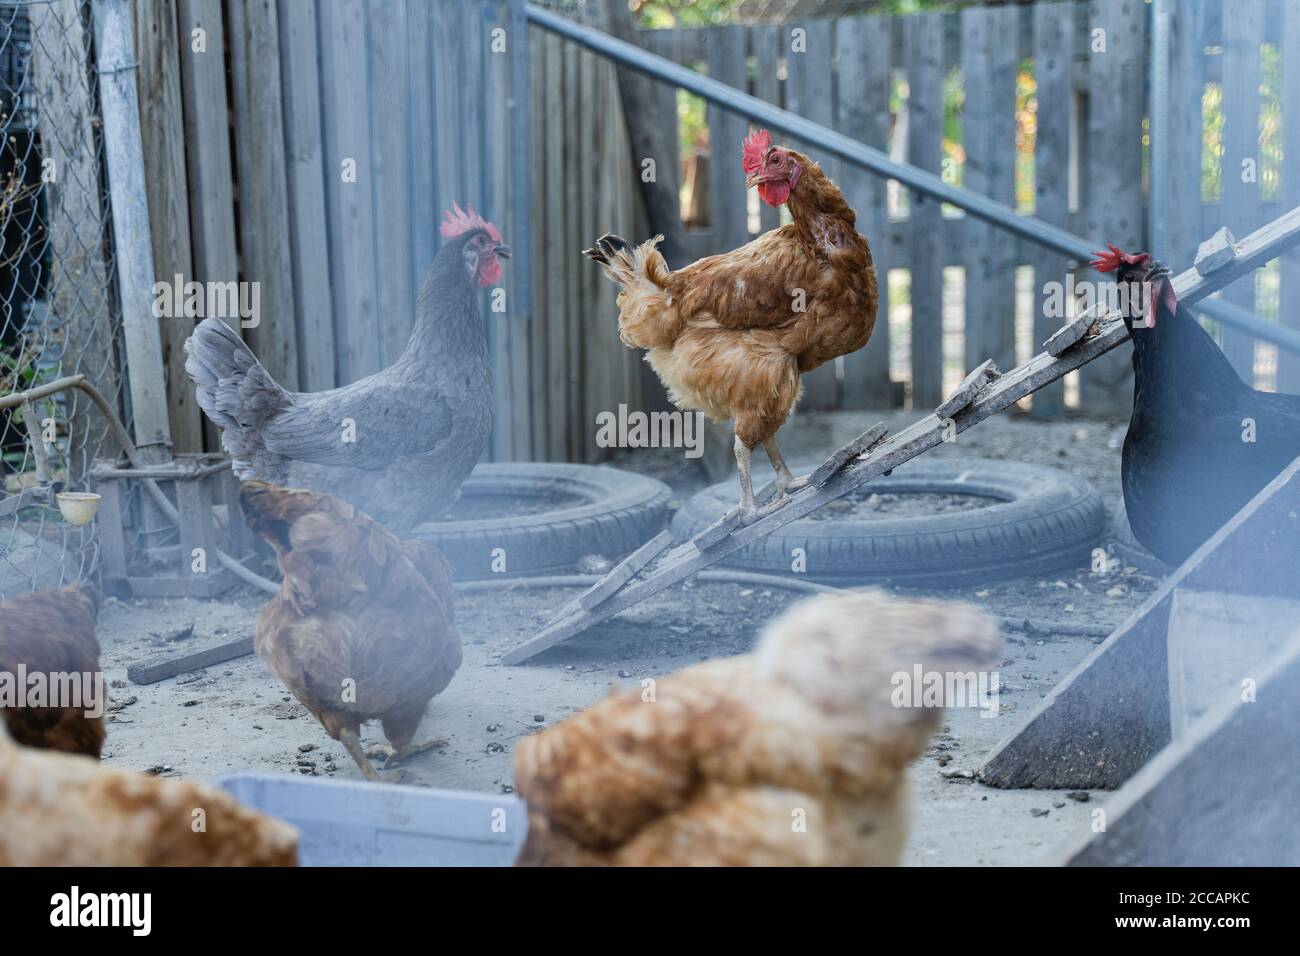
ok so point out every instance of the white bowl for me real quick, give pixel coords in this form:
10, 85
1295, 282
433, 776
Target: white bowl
78, 507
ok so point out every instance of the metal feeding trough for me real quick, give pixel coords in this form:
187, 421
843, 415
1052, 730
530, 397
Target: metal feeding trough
351, 823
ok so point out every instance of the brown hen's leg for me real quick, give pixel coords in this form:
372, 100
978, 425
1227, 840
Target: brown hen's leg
747, 506
785, 479
352, 743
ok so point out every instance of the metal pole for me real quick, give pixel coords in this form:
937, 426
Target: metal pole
132, 245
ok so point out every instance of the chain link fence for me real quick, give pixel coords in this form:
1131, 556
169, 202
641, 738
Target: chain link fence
58, 310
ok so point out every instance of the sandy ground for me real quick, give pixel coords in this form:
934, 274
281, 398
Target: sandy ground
237, 716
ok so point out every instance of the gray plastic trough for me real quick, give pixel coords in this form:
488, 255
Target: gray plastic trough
350, 823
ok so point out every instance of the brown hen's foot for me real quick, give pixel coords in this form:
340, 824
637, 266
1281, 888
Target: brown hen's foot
352, 744
793, 483
394, 754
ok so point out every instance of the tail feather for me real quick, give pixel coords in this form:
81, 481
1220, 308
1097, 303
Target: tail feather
236, 393
647, 318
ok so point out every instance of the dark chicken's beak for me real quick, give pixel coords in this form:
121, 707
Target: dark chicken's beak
754, 180
1160, 289
502, 251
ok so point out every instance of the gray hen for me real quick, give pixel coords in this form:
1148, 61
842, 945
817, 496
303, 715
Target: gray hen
398, 443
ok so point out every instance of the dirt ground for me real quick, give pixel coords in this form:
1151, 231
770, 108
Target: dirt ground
237, 716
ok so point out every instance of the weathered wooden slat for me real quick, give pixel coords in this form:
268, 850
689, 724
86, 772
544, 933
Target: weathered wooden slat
766, 43
924, 148
1288, 364
1112, 178
254, 38
190, 661
522, 166
305, 175
496, 187
568, 395
868, 440
390, 106
863, 113
1243, 30
969, 388
554, 372
162, 131
626, 570
990, 64
728, 536
1053, 47
1183, 205
348, 200
542, 47
207, 141
808, 92
728, 216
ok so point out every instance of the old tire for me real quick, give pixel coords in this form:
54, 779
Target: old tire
578, 510
1041, 520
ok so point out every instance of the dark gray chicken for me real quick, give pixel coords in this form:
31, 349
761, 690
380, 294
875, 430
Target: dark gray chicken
1201, 442
398, 443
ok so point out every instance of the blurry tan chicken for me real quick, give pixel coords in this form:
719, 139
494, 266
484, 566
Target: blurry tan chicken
792, 755
63, 810
53, 633
363, 627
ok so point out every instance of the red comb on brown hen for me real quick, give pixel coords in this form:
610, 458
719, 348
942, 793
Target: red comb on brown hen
1112, 260
752, 150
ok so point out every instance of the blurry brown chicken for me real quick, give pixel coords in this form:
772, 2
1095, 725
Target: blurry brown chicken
795, 754
53, 633
363, 627
62, 810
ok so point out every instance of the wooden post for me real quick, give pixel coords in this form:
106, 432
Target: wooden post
925, 217
1053, 64
207, 151
305, 174
163, 133
131, 234
864, 71
254, 36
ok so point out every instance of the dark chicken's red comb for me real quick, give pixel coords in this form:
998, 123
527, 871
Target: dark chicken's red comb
752, 150
1110, 261
457, 222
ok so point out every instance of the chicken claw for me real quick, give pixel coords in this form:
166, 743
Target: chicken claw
393, 755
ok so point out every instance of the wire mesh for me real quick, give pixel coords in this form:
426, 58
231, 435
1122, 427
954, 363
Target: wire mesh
58, 311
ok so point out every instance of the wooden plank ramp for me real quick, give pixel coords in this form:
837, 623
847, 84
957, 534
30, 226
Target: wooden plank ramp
620, 589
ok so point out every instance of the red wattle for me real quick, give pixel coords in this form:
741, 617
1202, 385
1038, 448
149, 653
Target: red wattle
774, 192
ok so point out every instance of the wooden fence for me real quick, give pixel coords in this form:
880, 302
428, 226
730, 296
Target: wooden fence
311, 146
1056, 89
